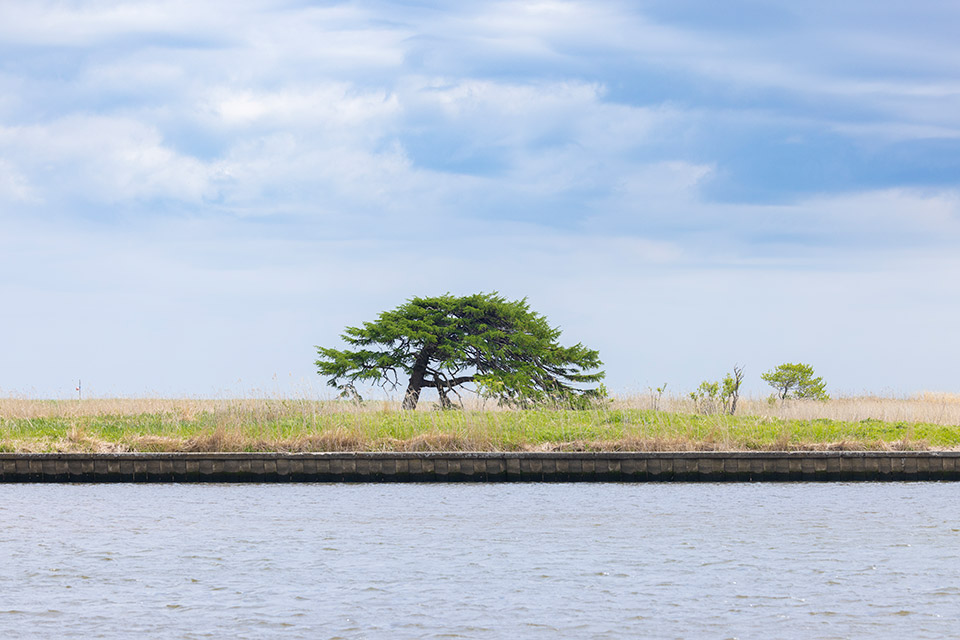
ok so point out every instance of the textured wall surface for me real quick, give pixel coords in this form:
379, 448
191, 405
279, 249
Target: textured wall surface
480, 467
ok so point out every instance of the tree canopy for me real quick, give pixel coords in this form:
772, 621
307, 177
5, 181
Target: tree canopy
797, 381
499, 347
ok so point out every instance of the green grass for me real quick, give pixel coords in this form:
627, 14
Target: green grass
299, 426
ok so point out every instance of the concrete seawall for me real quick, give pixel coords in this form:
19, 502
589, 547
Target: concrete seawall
827, 466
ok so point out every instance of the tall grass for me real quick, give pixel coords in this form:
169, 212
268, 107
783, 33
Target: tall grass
625, 424
927, 407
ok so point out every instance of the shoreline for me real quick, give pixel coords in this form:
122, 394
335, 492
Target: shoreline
448, 466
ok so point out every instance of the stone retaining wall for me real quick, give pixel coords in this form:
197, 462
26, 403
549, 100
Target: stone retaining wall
481, 467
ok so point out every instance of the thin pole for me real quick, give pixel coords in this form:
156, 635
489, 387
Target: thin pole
79, 389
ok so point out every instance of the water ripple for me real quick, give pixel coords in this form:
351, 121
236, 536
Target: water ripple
479, 561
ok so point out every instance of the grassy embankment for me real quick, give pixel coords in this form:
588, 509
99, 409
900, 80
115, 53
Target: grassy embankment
928, 421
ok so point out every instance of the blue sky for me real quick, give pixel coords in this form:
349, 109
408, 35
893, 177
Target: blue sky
193, 195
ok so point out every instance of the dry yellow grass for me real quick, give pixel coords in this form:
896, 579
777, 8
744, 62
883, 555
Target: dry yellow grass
927, 407
625, 424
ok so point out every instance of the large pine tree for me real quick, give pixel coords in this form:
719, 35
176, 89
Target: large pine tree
500, 347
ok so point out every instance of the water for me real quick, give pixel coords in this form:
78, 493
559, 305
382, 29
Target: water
480, 561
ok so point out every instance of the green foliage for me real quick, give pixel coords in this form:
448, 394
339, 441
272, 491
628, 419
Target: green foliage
501, 347
714, 397
730, 386
796, 381
311, 426
349, 393
706, 391
731, 389
659, 395
706, 397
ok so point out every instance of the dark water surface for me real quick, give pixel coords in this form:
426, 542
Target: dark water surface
480, 561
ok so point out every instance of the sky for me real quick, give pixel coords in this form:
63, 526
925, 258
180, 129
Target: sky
194, 195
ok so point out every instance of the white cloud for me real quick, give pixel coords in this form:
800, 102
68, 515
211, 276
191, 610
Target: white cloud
336, 107
337, 148
193, 306
928, 215
14, 186
85, 23
410, 149
103, 159
895, 131
662, 185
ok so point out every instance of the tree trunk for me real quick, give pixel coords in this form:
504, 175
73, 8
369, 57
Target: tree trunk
444, 400
737, 379
412, 395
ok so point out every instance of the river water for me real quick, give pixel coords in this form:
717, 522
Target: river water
480, 561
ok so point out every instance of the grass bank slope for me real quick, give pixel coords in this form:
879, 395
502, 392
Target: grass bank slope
639, 423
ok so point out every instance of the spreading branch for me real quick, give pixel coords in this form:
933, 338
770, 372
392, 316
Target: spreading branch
501, 347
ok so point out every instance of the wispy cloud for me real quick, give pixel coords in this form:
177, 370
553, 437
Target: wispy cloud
274, 170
